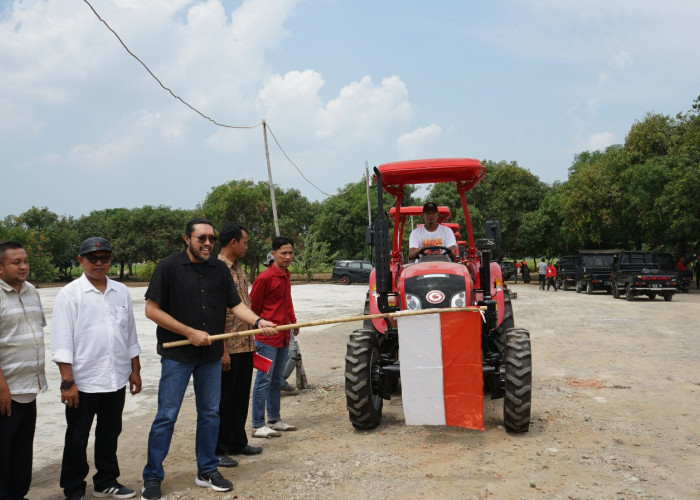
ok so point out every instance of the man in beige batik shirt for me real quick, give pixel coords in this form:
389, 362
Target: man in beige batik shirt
237, 360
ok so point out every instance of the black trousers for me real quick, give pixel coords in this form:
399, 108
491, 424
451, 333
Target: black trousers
16, 446
107, 407
541, 278
233, 407
551, 281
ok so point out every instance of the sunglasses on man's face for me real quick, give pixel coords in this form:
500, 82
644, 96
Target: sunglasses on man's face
92, 259
203, 238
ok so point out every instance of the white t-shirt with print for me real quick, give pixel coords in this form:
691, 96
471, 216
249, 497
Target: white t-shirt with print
442, 237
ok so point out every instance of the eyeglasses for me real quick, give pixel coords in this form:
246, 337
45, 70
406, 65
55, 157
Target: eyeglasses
203, 238
102, 258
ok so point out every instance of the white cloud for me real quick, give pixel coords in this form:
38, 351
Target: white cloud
122, 144
598, 141
419, 142
621, 60
363, 110
291, 102
593, 105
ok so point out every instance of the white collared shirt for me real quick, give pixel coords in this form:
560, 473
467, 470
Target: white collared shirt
96, 333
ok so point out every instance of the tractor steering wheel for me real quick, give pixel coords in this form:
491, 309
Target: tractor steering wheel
440, 250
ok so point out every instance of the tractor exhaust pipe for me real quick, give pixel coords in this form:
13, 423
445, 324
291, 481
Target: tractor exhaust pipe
383, 250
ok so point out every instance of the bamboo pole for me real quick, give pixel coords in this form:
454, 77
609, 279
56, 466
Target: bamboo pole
320, 322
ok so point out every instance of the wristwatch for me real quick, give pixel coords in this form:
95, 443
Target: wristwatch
67, 384
257, 321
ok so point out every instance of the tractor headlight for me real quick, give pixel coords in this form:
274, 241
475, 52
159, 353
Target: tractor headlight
458, 300
412, 303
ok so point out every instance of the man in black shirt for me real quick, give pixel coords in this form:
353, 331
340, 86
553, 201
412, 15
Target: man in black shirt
187, 297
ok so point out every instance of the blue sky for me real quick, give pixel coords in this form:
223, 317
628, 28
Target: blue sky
84, 127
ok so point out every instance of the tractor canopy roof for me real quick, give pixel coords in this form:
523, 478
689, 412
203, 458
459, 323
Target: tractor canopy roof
465, 172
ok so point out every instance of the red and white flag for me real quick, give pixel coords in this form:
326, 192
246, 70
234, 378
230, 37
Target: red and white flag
441, 372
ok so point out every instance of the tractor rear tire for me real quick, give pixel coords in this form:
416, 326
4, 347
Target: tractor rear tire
518, 386
364, 403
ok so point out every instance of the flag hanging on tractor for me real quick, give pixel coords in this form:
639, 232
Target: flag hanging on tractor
441, 371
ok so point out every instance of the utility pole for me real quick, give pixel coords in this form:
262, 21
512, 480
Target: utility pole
294, 360
272, 187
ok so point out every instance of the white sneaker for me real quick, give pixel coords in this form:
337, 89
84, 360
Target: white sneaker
281, 426
265, 432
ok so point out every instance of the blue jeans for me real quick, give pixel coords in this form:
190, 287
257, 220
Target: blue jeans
174, 377
266, 391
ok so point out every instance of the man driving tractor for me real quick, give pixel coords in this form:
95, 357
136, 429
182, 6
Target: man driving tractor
431, 234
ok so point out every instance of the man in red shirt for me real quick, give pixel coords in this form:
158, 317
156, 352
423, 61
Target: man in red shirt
551, 275
271, 298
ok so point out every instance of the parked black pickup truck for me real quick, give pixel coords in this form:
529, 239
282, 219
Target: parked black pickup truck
639, 273
595, 272
567, 271
685, 278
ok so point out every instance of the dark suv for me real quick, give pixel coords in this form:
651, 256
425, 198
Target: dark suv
352, 271
568, 269
507, 269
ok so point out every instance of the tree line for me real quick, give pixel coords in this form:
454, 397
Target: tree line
643, 194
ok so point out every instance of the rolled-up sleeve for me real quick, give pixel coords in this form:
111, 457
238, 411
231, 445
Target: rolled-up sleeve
132, 342
62, 328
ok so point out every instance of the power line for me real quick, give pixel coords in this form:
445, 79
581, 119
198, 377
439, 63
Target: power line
159, 82
293, 164
195, 109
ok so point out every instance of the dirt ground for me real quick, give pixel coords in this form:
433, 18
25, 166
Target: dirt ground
616, 398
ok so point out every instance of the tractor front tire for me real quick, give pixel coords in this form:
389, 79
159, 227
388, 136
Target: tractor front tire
518, 386
364, 403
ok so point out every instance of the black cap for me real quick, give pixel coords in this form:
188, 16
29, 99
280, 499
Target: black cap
430, 206
94, 244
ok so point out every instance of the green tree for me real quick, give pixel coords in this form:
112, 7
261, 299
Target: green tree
41, 266
312, 256
55, 236
249, 204
592, 200
506, 193
343, 219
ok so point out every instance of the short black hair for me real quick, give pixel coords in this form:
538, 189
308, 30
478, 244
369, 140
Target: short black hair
280, 241
190, 225
231, 231
8, 245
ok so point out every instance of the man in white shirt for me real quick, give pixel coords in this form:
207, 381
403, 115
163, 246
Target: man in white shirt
431, 234
541, 271
94, 343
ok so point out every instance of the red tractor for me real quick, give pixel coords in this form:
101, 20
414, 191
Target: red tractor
372, 369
